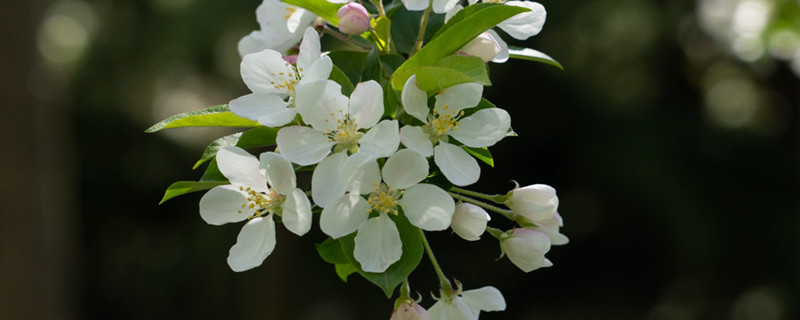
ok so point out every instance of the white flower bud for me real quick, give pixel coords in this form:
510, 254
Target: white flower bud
469, 221
412, 311
353, 18
526, 248
550, 227
536, 202
484, 46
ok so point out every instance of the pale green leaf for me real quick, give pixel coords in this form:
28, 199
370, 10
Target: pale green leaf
183, 187
321, 8
532, 55
216, 116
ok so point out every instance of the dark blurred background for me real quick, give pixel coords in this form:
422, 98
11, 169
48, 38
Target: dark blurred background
671, 137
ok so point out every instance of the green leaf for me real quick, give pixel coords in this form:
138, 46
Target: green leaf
349, 62
256, 137
448, 72
211, 150
405, 27
532, 55
216, 116
482, 154
371, 67
339, 77
463, 14
345, 270
212, 173
330, 251
322, 8
454, 36
183, 187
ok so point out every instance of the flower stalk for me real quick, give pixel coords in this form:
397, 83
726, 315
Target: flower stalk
507, 213
443, 282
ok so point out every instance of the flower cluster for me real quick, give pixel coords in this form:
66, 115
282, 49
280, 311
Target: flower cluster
389, 134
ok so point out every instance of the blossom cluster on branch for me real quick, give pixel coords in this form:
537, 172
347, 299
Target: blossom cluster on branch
389, 127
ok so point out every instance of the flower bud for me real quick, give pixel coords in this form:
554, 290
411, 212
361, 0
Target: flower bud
469, 221
412, 311
526, 248
485, 46
353, 18
536, 202
550, 228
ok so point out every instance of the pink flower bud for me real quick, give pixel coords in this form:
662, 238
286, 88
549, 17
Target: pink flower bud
412, 311
353, 18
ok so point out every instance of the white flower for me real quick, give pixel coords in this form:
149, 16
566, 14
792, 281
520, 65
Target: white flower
377, 244
469, 221
550, 228
258, 189
281, 25
488, 46
274, 81
353, 18
526, 248
468, 304
337, 124
439, 6
523, 25
482, 129
410, 310
537, 203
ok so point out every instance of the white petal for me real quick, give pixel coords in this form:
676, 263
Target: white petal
457, 309
428, 207
241, 168
449, 15
223, 204
325, 186
285, 27
254, 243
261, 71
366, 104
416, 5
483, 128
360, 173
526, 24
502, 56
458, 97
280, 173
415, 101
443, 6
382, 140
415, 139
319, 70
303, 145
456, 164
469, 221
404, 169
309, 49
321, 103
377, 244
268, 109
343, 216
297, 212
251, 43
485, 299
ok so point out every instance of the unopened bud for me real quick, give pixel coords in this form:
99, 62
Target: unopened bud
485, 46
536, 202
526, 248
353, 18
410, 311
469, 221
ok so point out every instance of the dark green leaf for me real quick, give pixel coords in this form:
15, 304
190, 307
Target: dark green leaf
330, 251
405, 27
183, 187
212, 173
454, 37
322, 8
216, 116
350, 62
532, 55
339, 77
371, 67
482, 154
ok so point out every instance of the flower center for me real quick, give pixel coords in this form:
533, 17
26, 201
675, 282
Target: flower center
289, 12
346, 134
286, 82
262, 202
384, 199
439, 125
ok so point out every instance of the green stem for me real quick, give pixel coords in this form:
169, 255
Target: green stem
490, 197
446, 286
422, 25
379, 4
338, 35
507, 213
